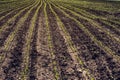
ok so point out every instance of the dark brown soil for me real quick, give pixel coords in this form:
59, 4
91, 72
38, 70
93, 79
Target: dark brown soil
34, 53
99, 34
44, 64
114, 30
117, 14
52, 49
4, 13
94, 12
94, 57
98, 13
68, 70
12, 70
6, 18
11, 27
7, 11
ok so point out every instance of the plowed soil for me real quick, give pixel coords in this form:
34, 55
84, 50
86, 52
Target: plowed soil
60, 40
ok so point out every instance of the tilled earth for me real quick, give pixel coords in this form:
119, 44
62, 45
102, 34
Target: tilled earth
50, 41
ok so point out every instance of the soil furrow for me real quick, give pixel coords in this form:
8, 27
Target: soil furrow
11, 66
99, 34
9, 11
97, 12
25, 72
113, 28
116, 23
91, 16
5, 12
103, 37
50, 44
44, 61
91, 53
73, 50
10, 15
59, 40
11, 27
80, 11
63, 58
34, 53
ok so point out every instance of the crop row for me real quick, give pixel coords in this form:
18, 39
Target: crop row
106, 49
59, 41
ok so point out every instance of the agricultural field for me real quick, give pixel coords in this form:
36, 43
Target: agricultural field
59, 40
